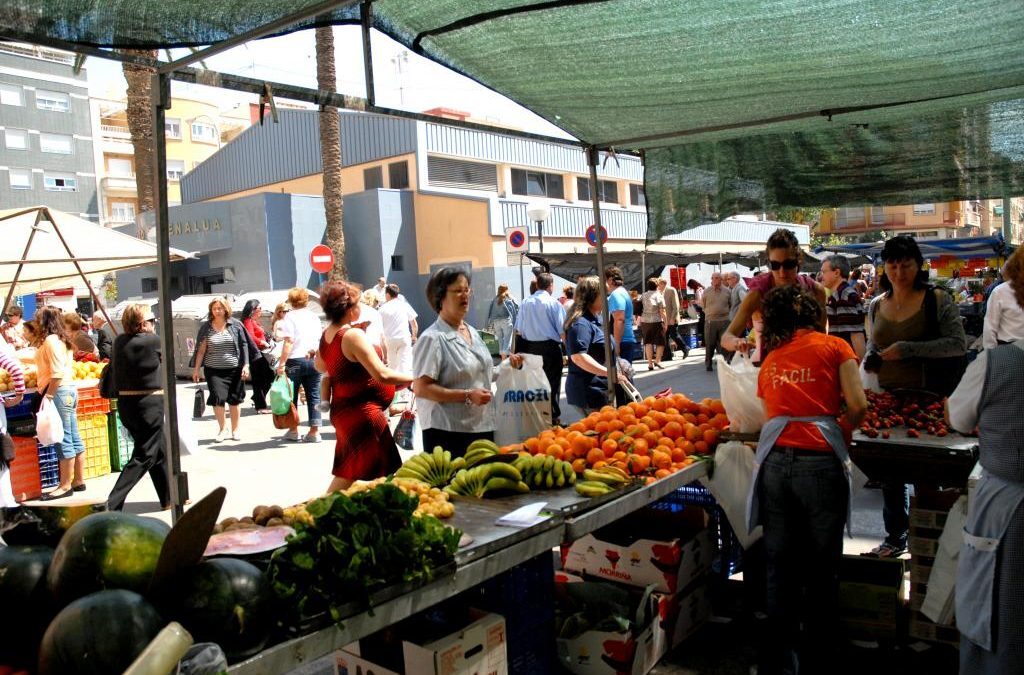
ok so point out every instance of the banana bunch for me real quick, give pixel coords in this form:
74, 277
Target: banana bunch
480, 450
597, 482
544, 472
480, 480
433, 468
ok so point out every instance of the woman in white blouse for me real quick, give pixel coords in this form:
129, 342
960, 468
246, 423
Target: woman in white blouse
453, 369
1004, 313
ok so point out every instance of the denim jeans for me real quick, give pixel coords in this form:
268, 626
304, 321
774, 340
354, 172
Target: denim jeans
803, 507
896, 513
302, 374
66, 402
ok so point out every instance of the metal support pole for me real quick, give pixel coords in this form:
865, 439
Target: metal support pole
366, 16
1007, 220
540, 235
643, 267
522, 279
161, 94
609, 353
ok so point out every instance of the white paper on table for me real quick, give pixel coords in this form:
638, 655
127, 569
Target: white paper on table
524, 516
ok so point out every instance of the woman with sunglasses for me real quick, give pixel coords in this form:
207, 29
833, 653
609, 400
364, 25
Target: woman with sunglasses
784, 258
261, 370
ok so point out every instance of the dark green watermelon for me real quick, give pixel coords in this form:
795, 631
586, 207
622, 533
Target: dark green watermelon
103, 551
100, 634
44, 523
23, 586
223, 600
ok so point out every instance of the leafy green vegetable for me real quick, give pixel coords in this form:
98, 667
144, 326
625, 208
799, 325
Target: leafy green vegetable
358, 545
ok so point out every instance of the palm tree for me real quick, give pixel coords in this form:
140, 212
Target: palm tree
140, 125
330, 150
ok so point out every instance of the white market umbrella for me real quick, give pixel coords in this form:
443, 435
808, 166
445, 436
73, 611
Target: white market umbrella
45, 249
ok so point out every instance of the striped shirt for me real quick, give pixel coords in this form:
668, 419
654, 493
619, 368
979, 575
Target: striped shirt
221, 351
845, 311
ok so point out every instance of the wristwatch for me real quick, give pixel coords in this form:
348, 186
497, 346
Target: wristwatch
468, 400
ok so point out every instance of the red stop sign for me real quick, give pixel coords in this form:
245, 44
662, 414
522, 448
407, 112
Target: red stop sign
321, 259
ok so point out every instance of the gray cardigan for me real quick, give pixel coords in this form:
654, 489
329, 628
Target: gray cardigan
951, 340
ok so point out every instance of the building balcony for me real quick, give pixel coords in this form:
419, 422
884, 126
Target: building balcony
119, 131
573, 221
119, 183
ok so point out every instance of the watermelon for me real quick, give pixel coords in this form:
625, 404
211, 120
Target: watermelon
23, 586
99, 634
224, 600
106, 550
44, 523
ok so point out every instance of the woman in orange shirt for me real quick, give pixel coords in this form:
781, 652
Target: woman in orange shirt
801, 483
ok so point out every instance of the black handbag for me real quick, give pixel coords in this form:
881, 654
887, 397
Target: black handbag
6, 449
199, 404
108, 385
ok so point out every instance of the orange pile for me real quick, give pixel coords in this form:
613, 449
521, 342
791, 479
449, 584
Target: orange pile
654, 439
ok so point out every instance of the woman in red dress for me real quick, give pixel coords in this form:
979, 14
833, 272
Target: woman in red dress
362, 388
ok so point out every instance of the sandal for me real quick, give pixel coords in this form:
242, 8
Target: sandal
78, 488
886, 550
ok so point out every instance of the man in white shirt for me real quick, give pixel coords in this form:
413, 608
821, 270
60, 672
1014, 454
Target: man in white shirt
400, 329
378, 291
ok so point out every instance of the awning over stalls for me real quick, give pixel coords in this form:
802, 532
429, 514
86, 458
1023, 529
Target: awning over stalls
634, 263
971, 247
739, 104
46, 249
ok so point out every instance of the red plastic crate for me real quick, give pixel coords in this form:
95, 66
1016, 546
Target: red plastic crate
90, 402
25, 479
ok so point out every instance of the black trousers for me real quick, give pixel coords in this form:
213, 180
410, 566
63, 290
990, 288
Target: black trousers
551, 352
455, 442
143, 416
262, 377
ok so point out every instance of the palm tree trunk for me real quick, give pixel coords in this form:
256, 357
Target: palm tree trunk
330, 150
140, 126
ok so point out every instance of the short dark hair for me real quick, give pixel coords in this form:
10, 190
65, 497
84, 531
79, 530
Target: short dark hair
545, 281
569, 291
901, 248
439, 283
337, 298
391, 290
784, 238
15, 310
785, 310
614, 274
652, 284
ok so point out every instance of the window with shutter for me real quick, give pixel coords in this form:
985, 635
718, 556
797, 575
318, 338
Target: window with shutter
458, 173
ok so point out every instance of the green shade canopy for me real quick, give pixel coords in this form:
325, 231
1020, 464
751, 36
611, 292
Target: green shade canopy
738, 102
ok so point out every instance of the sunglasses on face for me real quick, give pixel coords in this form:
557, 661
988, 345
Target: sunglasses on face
787, 264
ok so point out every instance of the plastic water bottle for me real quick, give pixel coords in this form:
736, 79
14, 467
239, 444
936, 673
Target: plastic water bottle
161, 656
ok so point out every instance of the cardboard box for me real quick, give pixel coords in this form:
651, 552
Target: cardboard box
477, 649
922, 546
930, 519
667, 564
678, 616
871, 596
922, 628
609, 652
349, 662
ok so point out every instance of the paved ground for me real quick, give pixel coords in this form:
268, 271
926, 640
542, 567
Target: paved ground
262, 469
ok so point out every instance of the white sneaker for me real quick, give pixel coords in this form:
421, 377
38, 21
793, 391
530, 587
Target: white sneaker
222, 435
293, 436
235, 436
312, 438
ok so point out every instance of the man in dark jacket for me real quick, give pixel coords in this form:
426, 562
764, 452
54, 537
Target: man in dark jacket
104, 335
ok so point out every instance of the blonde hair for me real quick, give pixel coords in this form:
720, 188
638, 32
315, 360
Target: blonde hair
223, 302
134, 317
298, 297
73, 322
369, 298
279, 312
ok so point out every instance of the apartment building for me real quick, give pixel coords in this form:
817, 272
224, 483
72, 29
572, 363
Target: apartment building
944, 220
195, 128
46, 149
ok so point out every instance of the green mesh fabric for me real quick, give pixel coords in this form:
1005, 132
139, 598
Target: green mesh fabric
731, 98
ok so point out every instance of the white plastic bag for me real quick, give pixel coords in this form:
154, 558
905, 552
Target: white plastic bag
49, 427
523, 401
738, 385
730, 484
869, 380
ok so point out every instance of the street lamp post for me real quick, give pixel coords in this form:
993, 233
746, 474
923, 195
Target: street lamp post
538, 212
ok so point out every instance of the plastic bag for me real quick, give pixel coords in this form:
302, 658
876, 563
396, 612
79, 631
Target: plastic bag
869, 380
738, 385
280, 395
49, 427
730, 485
405, 430
523, 401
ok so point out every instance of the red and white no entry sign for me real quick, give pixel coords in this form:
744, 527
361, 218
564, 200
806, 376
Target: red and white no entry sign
321, 259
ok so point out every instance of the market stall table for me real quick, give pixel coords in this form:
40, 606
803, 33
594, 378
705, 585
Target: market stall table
927, 460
